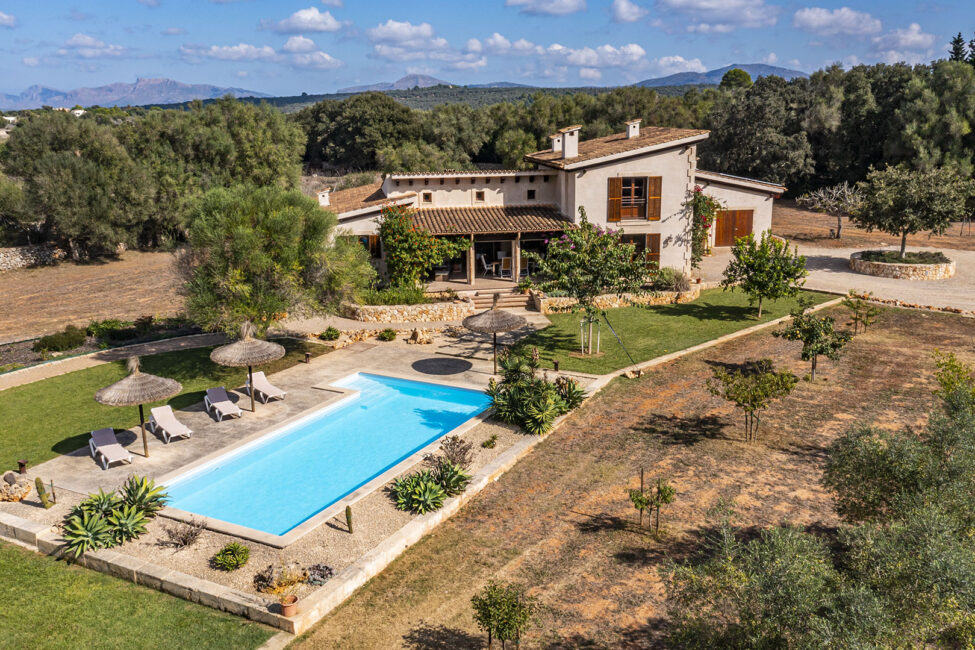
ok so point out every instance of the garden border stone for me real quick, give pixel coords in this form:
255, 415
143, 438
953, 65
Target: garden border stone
561, 304
941, 271
426, 312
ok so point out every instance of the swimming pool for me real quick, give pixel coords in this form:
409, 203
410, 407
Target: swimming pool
288, 476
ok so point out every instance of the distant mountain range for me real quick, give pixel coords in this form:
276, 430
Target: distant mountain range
407, 82
713, 77
143, 91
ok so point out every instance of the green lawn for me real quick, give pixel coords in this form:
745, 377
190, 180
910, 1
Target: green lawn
52, 604
649, 332
54, 416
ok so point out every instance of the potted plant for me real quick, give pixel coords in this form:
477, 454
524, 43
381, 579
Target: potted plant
524, 285
289, 602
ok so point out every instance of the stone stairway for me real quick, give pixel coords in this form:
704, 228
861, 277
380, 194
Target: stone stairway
506, 298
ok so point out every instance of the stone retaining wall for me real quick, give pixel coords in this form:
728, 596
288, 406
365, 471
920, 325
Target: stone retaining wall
21, 257
902, 271
434, 311
555, 305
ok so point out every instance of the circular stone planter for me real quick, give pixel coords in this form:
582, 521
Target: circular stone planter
902, 271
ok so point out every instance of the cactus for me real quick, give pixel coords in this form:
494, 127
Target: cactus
348, 517
42, 493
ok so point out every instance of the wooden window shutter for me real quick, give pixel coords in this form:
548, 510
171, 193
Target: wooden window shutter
654, 184
615, 194
653, 247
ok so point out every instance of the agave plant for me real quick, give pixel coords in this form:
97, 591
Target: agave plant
87, 532
418, 492
101, 504
540, 413
127, 522
451, 477
570, 392
141, 493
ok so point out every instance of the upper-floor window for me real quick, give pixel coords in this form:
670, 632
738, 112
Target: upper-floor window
531, 195
479, 196
426, 197
635, 197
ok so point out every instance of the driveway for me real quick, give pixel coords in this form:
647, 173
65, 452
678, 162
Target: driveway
829, 270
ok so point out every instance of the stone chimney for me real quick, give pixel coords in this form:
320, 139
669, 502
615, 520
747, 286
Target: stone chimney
323, 196
632, 129
556, 142
570, 141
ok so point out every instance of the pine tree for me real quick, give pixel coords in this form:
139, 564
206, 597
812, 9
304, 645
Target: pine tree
956, 51
971, 51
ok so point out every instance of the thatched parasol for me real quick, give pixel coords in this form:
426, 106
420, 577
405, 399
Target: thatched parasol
247, 352
492, 321
137, 389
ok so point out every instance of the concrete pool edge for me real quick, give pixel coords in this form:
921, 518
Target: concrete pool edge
316, 520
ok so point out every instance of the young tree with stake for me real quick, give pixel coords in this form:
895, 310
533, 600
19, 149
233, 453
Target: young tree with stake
752, 389
816, 333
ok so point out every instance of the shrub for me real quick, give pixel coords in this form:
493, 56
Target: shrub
503, 611
183, 534
330, 334
670, 279
104, 520
490, 442
86, 532
651, 501
418, 492
395, 295
319, 574
143, 324
141, 492
752, 389
387, 334
103, 329
70, 338
457, 450
893, 257
816, 333
531, 402
451, 478
355, 179
231, 557
863, 312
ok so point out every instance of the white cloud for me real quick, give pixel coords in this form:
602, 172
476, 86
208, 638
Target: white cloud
243, 73
771, 58
316, 60
405, 34
604, 56
548, 7
403, 41
30, 61
498, 44
666, 65
473, 45
626, 11
297, 44
89, 47
591, 74
239, 52
337, 4
173, 31
912, 38
6, 20
469, 64
837, 22
304, 20
723, 16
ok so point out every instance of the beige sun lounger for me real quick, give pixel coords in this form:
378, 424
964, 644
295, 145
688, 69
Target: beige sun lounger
106, 449
218, 401
265, 389
164, 421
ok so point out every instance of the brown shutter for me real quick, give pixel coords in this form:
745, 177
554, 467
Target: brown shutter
654, 184
615, 193
653, 247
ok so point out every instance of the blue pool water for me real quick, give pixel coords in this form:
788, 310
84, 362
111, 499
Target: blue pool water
298, 471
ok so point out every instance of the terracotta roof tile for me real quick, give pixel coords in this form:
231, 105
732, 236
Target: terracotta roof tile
365, 196
490, 219
614, 144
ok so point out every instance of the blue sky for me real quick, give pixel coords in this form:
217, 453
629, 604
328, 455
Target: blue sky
316, 46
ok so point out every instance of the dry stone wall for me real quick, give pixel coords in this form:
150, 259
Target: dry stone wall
558, 304
430, 312
21, 257
902, 271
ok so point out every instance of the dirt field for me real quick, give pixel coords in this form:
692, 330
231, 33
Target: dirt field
39, 301
560, 520
805, 226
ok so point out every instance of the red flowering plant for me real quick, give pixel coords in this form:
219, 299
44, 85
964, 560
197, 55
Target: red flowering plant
704, 209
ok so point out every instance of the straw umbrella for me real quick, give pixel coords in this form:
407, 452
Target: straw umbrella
492, 321
137, 389
247, 352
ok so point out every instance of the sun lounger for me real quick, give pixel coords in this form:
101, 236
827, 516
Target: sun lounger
164, 421
106, 449
265, 389
218, 401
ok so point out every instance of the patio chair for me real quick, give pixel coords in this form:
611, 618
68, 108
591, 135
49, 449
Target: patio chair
523, 270
485, 270
505, 268
265, 389
218, 401
105, 448
162, 420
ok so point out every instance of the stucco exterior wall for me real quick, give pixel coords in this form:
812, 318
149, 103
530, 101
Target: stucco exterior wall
589, 188
512, 191
740, 198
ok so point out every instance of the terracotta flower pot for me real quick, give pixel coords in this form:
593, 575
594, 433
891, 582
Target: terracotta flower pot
289, 605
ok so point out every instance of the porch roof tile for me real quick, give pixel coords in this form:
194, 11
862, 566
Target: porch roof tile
481, 220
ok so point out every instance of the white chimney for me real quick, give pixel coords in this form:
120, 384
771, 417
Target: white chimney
556, 142
570, 141
632, 129
323, 196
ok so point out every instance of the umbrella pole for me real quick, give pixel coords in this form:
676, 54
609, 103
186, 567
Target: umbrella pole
495, 353
250, 375
142, 425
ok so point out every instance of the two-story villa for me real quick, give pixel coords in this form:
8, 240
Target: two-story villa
638, 181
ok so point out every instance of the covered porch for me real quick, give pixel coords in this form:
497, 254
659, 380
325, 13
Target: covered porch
499, 237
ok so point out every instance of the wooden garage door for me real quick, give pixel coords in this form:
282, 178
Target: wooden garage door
730, 225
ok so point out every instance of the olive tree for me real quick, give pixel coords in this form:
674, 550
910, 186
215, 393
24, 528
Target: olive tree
765, 269
752, 389
817, 334
900, 201
503, 611
837, 201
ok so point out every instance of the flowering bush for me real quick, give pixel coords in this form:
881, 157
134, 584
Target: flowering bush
410, 250
705, 209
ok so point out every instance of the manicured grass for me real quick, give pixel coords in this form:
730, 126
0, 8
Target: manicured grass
55, 416
52, 604
649, 332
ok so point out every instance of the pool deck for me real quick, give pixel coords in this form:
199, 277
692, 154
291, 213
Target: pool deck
462, 364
